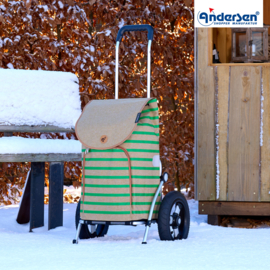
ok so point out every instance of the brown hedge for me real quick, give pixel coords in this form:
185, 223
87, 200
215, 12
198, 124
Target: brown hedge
79, 37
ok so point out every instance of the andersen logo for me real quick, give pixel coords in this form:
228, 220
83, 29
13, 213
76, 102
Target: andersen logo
208, 19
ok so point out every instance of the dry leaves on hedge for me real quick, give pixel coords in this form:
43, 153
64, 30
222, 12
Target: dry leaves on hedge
79, 37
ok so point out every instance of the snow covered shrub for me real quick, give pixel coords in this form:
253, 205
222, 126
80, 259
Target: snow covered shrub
79, 37
172, 71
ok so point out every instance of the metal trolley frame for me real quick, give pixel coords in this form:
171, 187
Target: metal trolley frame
164, 177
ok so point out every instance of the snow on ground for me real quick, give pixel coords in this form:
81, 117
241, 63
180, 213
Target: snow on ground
19, 145
208, 247
36, 97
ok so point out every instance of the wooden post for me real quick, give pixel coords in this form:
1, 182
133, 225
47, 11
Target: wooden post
214, 220
206, 162
56, 180
37, 195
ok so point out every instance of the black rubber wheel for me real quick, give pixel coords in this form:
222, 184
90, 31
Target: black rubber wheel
89, 231
173, 217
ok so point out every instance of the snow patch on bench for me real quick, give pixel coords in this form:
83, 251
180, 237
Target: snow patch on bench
35, 97
19, 145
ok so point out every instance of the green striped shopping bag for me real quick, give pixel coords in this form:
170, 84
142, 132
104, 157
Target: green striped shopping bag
120, 150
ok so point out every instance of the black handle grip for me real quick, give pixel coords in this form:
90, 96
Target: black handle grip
140, 27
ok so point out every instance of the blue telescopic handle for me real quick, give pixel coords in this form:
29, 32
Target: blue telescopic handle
140, 27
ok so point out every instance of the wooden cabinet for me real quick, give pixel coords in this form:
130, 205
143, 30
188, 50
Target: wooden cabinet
249, 45
232, 138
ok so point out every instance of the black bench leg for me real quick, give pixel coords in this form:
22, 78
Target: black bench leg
56, 180
37, 195
23, 216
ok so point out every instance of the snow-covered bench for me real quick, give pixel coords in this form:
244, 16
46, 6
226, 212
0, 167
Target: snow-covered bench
39, 101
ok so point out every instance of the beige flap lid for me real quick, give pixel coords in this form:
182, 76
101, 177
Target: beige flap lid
106, 124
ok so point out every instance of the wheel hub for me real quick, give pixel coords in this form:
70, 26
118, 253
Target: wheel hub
176, 220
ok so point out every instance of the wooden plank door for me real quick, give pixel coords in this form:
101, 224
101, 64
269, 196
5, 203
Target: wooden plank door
222, 108
244, 134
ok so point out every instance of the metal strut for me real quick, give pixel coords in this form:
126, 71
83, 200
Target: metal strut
75, 241
163, 179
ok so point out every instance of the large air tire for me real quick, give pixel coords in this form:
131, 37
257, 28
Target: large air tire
89, 231
173, 217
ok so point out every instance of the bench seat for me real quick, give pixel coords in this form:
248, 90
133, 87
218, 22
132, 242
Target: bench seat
39, 101
18, 149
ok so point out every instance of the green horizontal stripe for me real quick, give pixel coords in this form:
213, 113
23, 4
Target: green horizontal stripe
107, 168
145, 133
145, 168
152, 101
117, 159
141, 141
145, 186
123, 168
144, 177
107, 194
143, 150
119, 203
106, 177
141, 159
143, 212
106, 203
106, 159
143, 194
117, 194
120, 150
145, 203
150, 110
106, 186
106, 212
121, 177
147, 125
149, 117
